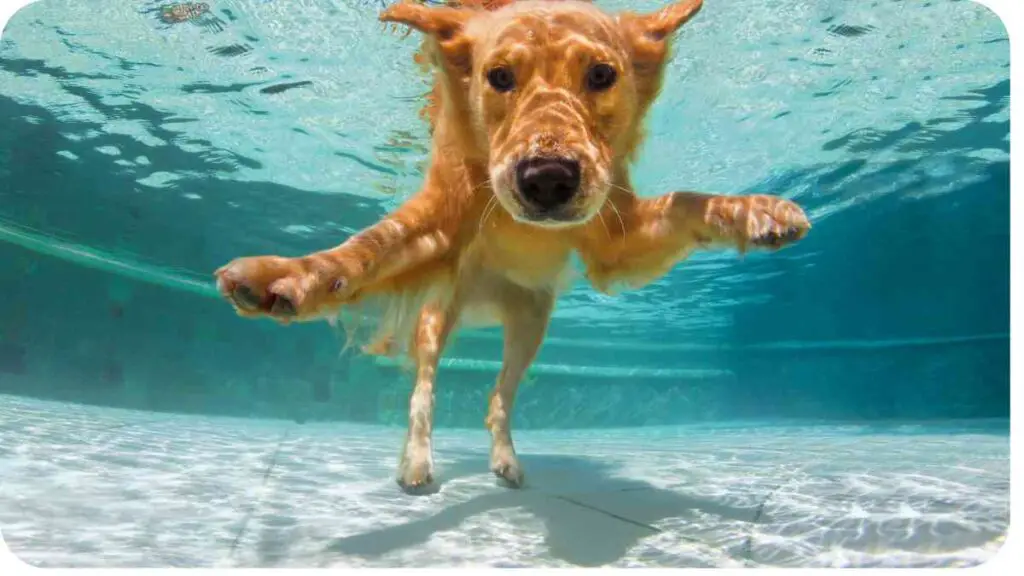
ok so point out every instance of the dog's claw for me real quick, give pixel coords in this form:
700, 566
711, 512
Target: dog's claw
773, 222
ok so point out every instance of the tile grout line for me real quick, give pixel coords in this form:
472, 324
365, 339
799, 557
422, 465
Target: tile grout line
748, 546
256, 502
655, 530
610, 514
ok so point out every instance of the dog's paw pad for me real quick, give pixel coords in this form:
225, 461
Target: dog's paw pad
265, 285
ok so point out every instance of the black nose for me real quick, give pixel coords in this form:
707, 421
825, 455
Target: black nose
548, 183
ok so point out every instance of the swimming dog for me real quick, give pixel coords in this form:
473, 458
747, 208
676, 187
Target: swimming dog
536, 115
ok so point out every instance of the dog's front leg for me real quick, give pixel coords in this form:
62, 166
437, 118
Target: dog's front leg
526, 316
311, 286
416, 466
655, 234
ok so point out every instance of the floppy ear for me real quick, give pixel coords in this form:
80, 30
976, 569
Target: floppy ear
442, 23
650, 33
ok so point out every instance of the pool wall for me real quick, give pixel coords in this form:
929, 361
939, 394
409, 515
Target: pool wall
83, 335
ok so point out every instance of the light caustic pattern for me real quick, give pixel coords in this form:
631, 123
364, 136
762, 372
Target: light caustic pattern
93, 487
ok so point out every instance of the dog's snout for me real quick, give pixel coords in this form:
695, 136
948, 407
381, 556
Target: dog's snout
548, 183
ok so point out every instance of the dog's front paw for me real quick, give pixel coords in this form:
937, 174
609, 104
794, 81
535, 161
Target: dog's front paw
281, 288
771, 222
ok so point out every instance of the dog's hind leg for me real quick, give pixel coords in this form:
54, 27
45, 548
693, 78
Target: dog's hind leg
526, 315
416, 467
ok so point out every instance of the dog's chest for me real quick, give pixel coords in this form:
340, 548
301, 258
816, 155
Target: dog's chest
529, 257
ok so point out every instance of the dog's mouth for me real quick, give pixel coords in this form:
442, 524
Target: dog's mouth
548, 219
567, 216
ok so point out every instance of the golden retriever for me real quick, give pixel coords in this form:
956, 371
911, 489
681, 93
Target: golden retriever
536, 114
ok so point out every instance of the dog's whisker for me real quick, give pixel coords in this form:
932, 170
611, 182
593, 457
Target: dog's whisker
622, 224
604, 224
492, 204
481, 185
615, 209
621, 187
483, 215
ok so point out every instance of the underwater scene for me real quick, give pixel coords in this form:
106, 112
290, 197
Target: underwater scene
843, 401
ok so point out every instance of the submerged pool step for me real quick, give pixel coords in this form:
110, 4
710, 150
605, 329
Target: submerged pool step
494, 366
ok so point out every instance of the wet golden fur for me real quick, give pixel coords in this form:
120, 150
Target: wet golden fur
514, 82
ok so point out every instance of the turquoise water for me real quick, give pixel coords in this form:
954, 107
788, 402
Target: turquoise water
137, 162
138, 156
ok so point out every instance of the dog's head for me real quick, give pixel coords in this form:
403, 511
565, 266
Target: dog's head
550, 94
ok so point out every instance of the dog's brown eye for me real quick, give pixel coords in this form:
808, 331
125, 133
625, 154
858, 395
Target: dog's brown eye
501, 79
600, 77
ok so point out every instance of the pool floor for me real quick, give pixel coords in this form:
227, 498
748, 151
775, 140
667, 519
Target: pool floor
92, 487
